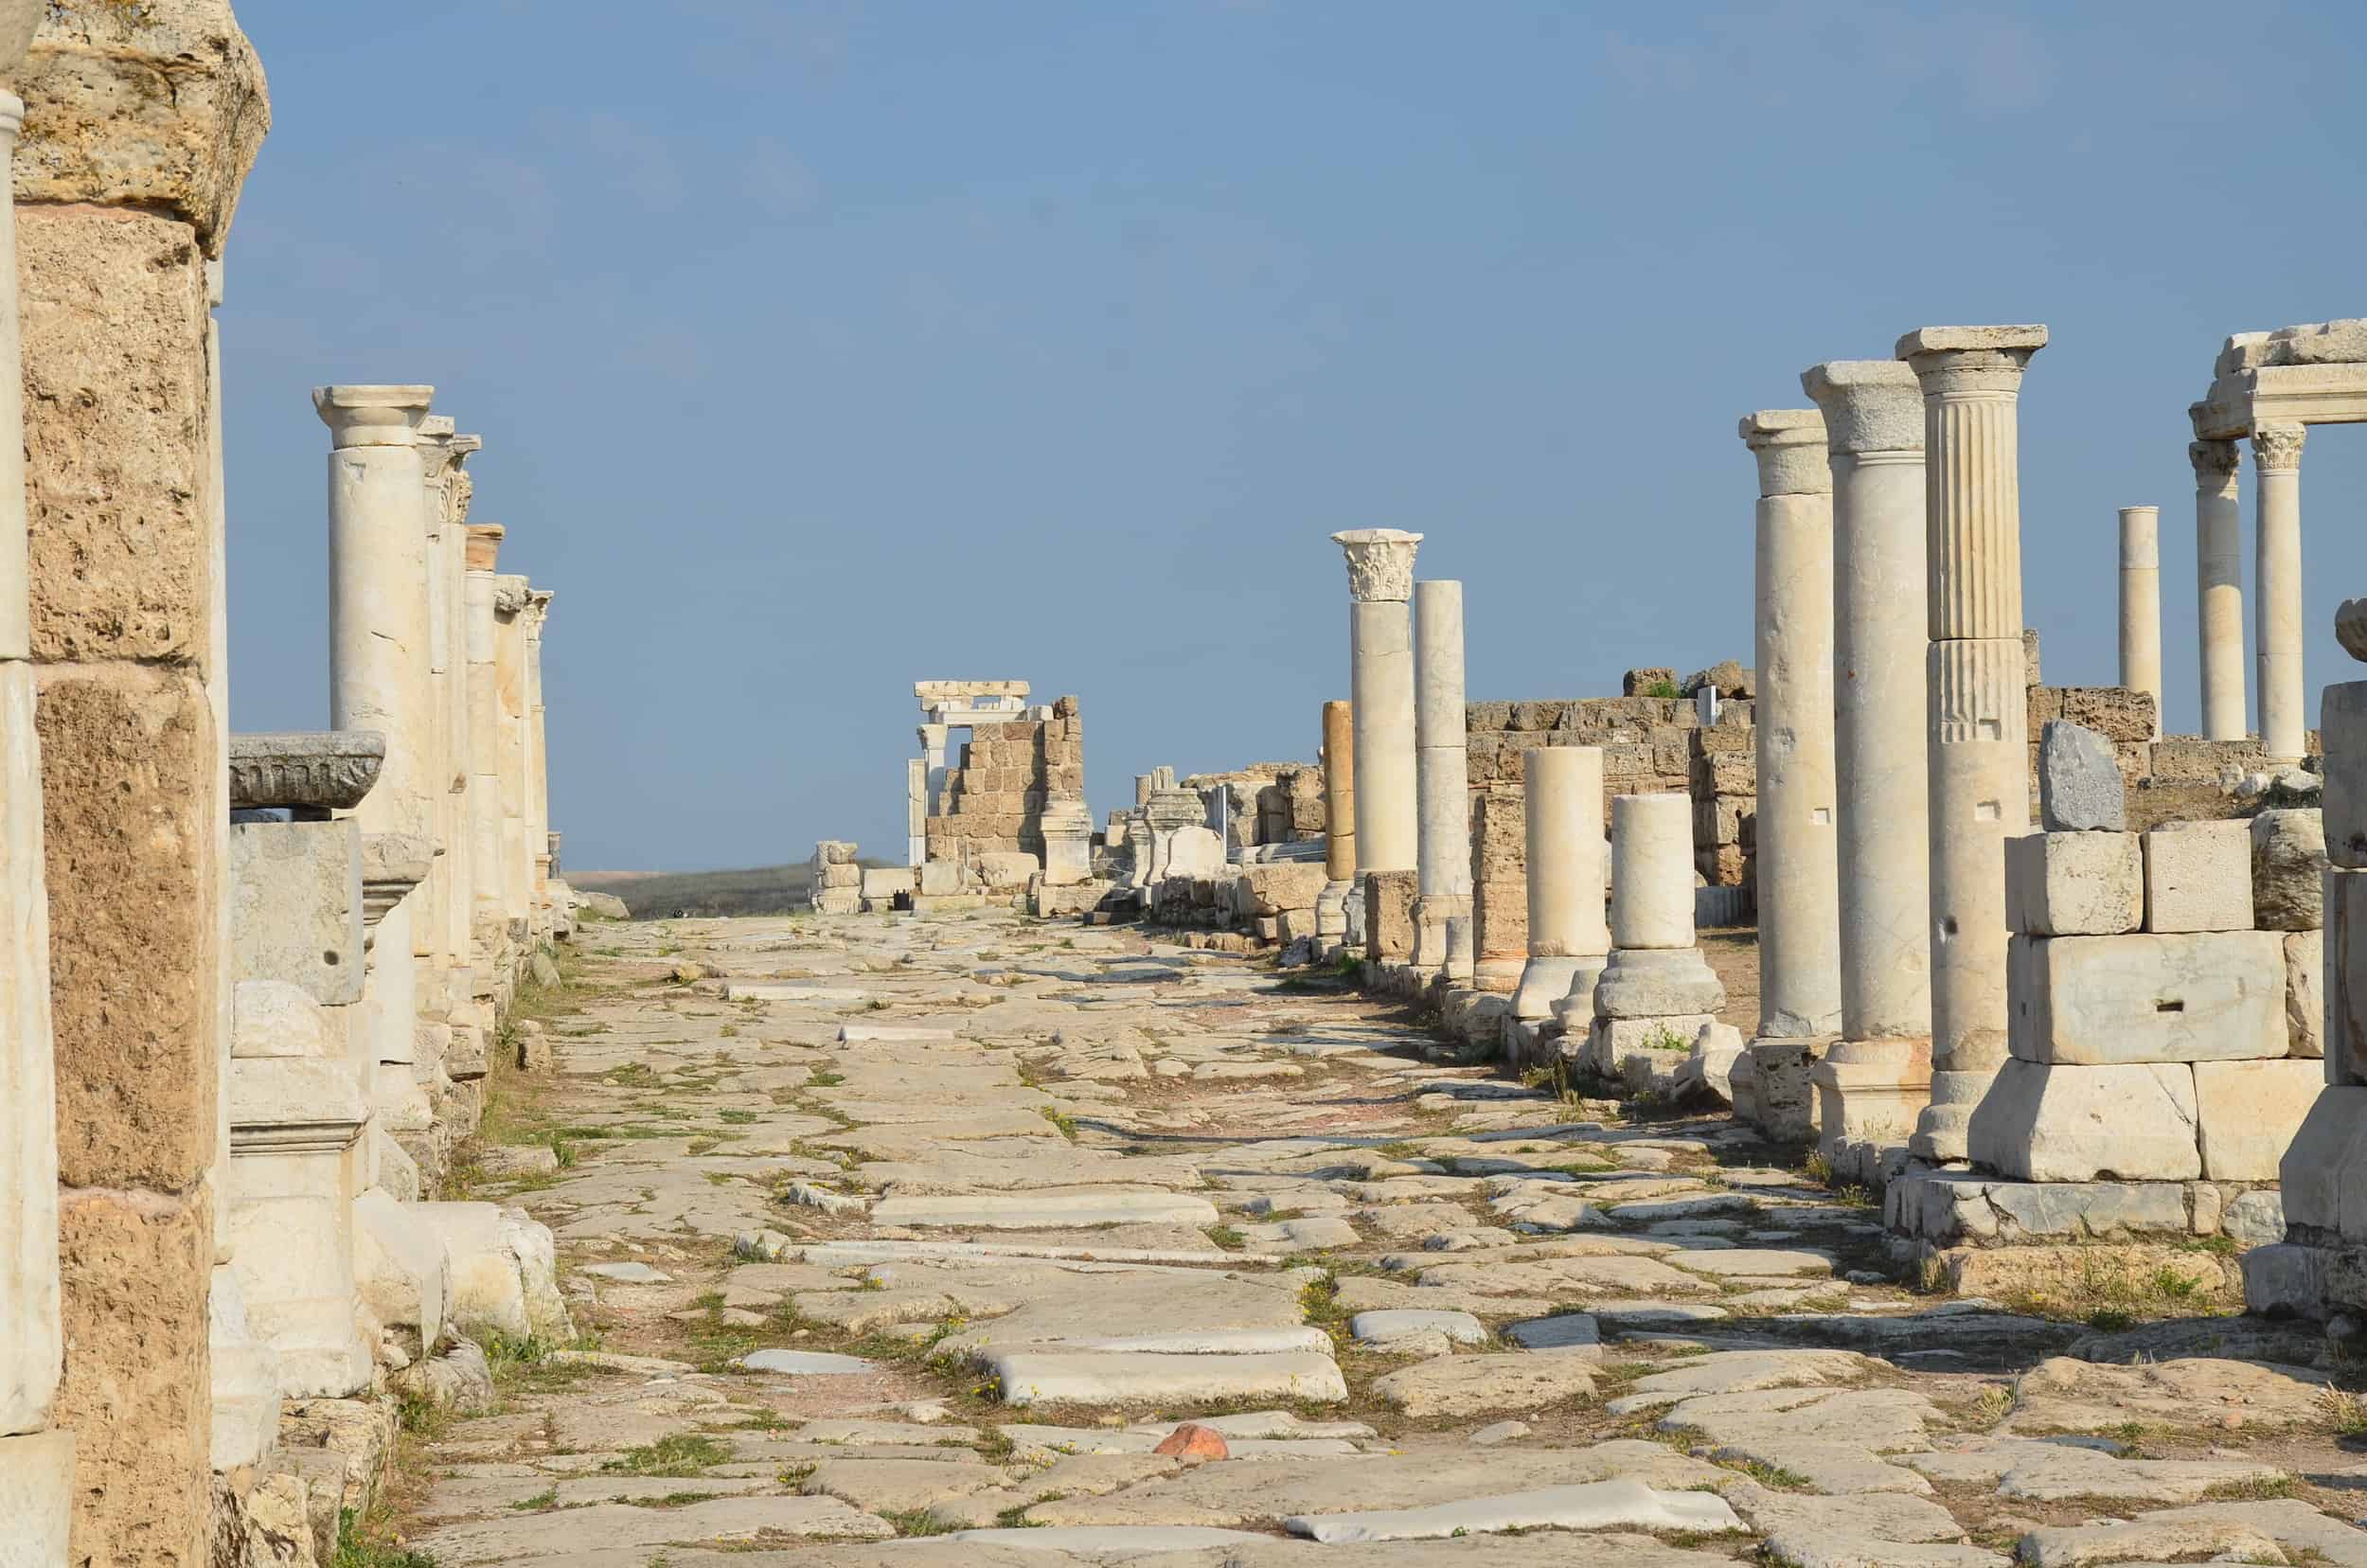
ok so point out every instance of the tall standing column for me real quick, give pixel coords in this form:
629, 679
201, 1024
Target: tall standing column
1874, 1081
32, 1344
2219, 588
1562, 798
538, 761
1442, 772
1331, 915
510, 596
2276, 457
2140, 604
1980, 789
489, 917
1798, 892
1380, 652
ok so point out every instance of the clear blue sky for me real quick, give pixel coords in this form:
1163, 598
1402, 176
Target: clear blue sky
820, 347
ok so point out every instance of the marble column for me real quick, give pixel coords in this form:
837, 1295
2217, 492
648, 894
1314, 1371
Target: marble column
1651, 871
489, 919
538, 763
2276, 457
2140, 604
511, 596
1381, 649
1562, 800
1339, 747
2219, 588
1442, 777
448, 614
1980, 762
1798, 887
380, 679
1873, 1083
31, 1343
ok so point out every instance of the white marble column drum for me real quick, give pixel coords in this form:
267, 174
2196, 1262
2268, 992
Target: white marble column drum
1381, 649
2276, 455
1980, 784
378, 680
32, 1339
1651, 875
1562, 798
1331, 915
1873, 1083
1798, 893
2219, 588
1442, 774
2140, 604
490, 889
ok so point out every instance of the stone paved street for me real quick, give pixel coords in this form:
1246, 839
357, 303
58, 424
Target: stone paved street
882, 1227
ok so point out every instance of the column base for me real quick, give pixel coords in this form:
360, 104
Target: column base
1575, 1006
1544, 982
1943, 1130
1869, 1094
1433, 943
1502, 976
1460, 960
1331, 913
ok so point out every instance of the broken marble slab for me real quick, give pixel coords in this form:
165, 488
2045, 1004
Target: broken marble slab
1588, 1505
1030, 1376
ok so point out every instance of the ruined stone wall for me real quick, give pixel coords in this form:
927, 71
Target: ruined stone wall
994, 799
1272, 802
141, 123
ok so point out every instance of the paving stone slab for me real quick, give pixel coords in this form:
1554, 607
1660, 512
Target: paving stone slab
521, 1538
1484, 1384
1051, 1376
1590, 1506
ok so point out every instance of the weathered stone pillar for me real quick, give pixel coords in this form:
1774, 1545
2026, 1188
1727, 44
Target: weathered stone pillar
1442, 774
488, 920
511, 594
1563, 789
40, 1463
380, 679
1798, 888
141, 123
1980, 760
1331, 905
1873, 1083
2276, 457
449, 490
2219, 588
2140, 604
1651, 858
1380, 648
538, 803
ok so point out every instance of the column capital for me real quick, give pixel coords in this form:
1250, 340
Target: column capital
1957, 360
484, 546
361, 416
1789, 445
537, 610
509, 594
2215, 464
2277, 448
1380, 562
1869, 405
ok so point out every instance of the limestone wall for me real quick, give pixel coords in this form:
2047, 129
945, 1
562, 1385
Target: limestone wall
995, 796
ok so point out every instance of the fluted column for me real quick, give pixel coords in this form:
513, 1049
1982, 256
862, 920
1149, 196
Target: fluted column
2140, 604
1331, 913
1563, 804
1873, 1084
1442, 774
1381, 649
1980, 789
2219, 588
1798, 883
2276, 455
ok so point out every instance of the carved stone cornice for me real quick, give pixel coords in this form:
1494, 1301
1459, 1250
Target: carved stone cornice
392, 866
2277, 448
318, 771
1380, 562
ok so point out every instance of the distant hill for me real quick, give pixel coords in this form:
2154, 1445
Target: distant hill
658, 895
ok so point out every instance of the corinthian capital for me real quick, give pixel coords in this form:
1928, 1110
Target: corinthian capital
1380, 562
2214, 462
2277, 447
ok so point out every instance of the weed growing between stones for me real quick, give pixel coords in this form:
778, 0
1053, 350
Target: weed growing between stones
679, 1454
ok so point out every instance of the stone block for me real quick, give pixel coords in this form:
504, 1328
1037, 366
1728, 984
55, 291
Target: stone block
2342, 722
2288, 861
2305, 994
2074, 883
1657, 983
2079, 780
2342, 973
1278, 886
501, 1272
1647, 681
131, 789
1784, 1102
1487, 718
2327, 1151
2248, 1112
2197, 996
1389, 915
2083, 1124
885, 881
942, 879
1954, 1207
2187, 759
296, 906
136, 1269
2199, 877
2116, 713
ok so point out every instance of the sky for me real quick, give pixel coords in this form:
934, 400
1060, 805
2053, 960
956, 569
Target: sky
822, 347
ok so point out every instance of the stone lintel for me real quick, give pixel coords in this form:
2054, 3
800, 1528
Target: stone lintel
327, 769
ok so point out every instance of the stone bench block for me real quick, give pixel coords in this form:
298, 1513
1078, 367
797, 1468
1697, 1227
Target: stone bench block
502, 1275
2199, 877
2084, 1124
2249, 1112
2199, 996
1951, 1208
2074, 884
296, 906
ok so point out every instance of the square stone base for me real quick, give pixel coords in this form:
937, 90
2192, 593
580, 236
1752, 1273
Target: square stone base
1868, 1094
1643, 1055
1782, 1097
